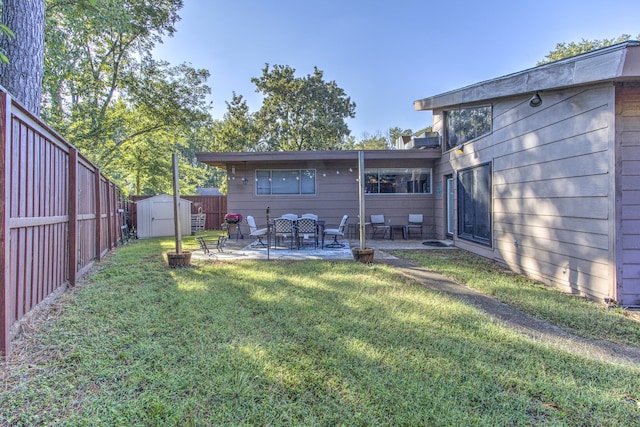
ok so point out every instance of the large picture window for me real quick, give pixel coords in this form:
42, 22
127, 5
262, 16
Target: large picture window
465, 124
397, 180
285, 181
474, 204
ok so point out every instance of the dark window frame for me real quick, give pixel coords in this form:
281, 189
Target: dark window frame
475, 214
264, 182
385, 181
462, 125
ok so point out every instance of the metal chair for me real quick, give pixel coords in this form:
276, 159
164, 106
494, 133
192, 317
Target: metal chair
256, 232
305, 228
335, 232
207, 244
378, 223
415, 223
283, 228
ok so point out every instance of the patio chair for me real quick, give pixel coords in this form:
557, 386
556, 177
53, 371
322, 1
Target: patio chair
306, 228
197, 222
283, 229
378, 223
415, 223
256, 232
335, 232
207, 244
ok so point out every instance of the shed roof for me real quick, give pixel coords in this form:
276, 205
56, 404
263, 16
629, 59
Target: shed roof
221, 160
619, 62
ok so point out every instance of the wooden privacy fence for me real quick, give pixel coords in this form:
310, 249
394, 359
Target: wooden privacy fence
58, 215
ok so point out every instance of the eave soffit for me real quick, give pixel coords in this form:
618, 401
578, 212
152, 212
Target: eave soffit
620, 62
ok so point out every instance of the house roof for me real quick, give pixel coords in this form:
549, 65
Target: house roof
221, 160
619, 62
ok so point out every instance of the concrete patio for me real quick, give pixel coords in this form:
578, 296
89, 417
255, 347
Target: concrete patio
243, 249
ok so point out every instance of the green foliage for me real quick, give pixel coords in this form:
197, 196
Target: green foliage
384, 142
301, 113
566, 50
124, 110
293, 343
373, 142
580, 315
8, 33
237, 130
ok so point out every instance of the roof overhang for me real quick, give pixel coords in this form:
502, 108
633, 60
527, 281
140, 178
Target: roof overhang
619, 62
221, 160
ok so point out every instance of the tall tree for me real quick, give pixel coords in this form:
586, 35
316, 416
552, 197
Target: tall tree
301, 113
107, 95
237, 130
22, 74
93, 53
566, 50
373, 142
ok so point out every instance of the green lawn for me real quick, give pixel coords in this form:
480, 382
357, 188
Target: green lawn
293, 343
572, 313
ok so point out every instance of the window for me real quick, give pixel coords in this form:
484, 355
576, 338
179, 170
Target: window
474, 204
465, 124
398, 180
285, 181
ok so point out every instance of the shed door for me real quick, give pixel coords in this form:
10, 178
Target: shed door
162, 219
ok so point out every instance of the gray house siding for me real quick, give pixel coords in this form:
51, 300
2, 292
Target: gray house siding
552, 187
336, 194
629, 201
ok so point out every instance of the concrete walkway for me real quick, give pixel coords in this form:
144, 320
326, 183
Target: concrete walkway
508, 316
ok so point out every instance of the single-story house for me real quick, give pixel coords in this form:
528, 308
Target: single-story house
538, 170
398, 182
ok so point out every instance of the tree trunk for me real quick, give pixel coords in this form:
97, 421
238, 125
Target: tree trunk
22, 77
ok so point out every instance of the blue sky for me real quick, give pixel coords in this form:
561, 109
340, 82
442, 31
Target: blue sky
384, 54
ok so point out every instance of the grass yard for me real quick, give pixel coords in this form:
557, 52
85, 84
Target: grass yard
292, 343
572, 313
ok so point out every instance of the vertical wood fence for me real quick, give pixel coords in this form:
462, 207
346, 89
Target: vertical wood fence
58, 214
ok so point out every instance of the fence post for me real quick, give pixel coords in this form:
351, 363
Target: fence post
98, 208
5, 293
110, 213
72, 225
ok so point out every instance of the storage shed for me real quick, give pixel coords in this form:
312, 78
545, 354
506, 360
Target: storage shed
155, 216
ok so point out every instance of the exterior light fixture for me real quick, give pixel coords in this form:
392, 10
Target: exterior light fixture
535, 100
460, 149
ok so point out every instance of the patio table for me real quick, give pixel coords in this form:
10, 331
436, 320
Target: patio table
397, 228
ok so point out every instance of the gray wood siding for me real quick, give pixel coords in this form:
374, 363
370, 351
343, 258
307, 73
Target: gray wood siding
336, 195
552, 187
629, 202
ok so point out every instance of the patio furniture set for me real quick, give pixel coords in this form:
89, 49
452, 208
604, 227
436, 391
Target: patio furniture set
307, 228
297, 230
380, 227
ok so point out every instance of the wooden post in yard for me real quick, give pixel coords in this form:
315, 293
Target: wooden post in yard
5, 213
361, 205
176, 203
